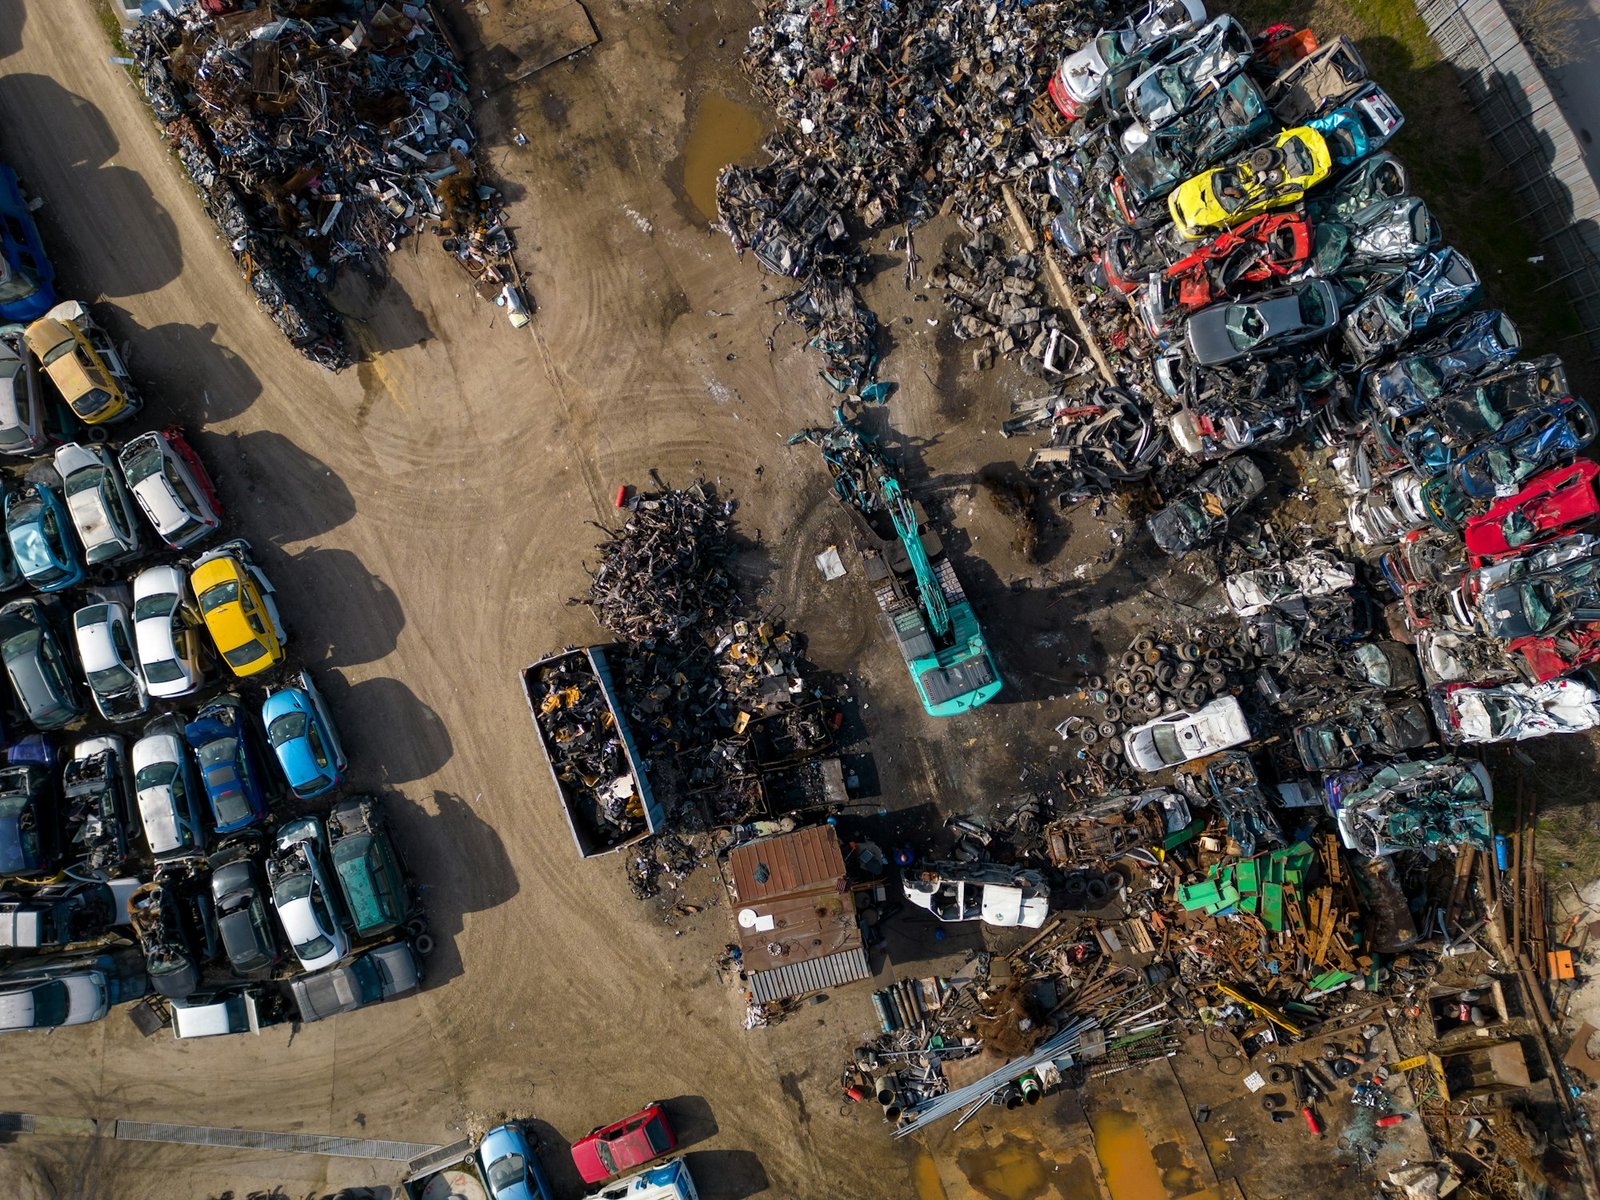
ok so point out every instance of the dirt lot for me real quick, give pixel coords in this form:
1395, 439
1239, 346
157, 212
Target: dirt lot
425, 516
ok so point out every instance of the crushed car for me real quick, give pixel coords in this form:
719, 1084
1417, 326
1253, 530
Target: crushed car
1199, 514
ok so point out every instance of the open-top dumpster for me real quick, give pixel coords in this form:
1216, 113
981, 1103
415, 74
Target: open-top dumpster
593, 759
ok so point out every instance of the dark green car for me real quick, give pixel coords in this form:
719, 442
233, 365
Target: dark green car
370, 878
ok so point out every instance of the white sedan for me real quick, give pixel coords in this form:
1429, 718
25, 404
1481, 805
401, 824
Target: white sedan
300, 893
171, 486
101, 509
167, 632
105, 648
1179, 737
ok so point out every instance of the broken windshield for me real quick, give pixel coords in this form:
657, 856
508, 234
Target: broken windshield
1244, 324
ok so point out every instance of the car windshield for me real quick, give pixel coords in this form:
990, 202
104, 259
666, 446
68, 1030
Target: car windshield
1313, 307
1230, 196
28, 541
215, 597
1517, 529
1167, 744
1534, 608
49, 1004
1244, 324
140, 460
1297, 157
21, 643
92, 403
506, 1171
159, 605
163, 670
1424, 376
287, 728
156, 775
112, 679
243, 656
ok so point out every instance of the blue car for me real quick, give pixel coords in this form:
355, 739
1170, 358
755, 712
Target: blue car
41, 537
302, 735
27, 280
230, 768
509, 1165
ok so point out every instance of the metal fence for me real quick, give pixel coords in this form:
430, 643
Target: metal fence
1540, 148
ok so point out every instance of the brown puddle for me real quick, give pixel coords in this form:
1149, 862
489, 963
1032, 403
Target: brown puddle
1012, 1170
721, 132
925, 1178
1126, 1160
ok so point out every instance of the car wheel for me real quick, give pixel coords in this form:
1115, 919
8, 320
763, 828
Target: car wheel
1089, 735
423, 944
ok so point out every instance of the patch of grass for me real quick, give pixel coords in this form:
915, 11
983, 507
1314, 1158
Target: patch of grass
1451, 163
112, 24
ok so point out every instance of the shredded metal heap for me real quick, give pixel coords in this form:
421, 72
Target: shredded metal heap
319, 142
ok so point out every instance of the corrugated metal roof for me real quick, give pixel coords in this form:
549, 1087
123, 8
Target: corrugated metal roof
803, 861
796, 979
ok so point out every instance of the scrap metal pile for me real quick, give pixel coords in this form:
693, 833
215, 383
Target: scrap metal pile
712, 691
887, 114
321, 141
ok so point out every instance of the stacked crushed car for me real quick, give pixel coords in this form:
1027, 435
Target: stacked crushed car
162, 786
1239, 213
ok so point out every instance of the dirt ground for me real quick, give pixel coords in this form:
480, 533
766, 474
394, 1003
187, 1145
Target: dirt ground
425, 518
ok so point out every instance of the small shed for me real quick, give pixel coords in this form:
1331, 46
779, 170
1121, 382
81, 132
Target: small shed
795, 914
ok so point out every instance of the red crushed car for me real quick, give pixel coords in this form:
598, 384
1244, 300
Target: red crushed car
1553, 503
1261, 250
623, 1145
1545, 658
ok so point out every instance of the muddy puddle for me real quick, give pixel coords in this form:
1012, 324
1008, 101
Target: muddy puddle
1126, 1160
720, 132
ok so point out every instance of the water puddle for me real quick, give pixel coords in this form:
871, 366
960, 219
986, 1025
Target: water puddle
925, 1178
1012, 1170
1126, 1160
720, 132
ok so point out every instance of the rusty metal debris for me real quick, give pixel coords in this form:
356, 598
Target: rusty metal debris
319, 143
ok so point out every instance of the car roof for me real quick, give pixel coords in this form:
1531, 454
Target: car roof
159, 580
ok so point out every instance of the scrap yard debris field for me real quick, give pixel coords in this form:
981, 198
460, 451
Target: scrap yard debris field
1020, 618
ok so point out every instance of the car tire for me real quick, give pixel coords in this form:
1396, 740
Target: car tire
1089, 735
1169, 705
423, 944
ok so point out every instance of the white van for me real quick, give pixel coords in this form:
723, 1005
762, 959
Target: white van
668, 1181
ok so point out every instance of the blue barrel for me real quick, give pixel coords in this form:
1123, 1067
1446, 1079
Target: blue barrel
1502, 851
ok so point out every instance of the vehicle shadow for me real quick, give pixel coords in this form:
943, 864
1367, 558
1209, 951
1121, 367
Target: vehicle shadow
404, 738
555, 1155
727, 1174
360, 616
307, 498
691, 1120
188, 372
13, 16
67, 144
458, 864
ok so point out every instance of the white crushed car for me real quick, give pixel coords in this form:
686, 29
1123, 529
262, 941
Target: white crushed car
1181, 736
1516, 711
993, 894
1250, 592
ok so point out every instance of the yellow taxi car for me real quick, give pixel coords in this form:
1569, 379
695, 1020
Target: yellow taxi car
236, 601
82, 363
1274, 176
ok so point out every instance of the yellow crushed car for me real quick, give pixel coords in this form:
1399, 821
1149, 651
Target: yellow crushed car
1274, 176
236, 601
82, 363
